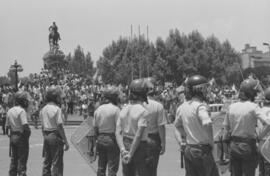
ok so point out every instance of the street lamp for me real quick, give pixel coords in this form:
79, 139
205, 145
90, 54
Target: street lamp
16, 68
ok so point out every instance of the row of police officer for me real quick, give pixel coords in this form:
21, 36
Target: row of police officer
55, 141
136, 132
194, 129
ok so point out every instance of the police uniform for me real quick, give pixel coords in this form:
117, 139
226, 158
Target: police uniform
264, 165
156, 119
105, 118
240, 123
53, 152
131, 117
194, 123
19, 142
199, 161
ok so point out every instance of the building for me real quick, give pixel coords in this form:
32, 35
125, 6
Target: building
251, 57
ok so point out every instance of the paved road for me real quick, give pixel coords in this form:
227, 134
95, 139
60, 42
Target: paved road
74, 165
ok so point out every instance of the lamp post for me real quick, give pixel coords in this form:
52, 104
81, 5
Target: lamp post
16, 68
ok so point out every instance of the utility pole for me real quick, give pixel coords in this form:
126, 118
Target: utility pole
147, 33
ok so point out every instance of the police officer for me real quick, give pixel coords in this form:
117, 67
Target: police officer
263, 134
240, 123
131, 131
156, 128
105, 118
55, 141
194, 128
19, 134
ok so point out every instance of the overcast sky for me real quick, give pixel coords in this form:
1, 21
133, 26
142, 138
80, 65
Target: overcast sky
93, 24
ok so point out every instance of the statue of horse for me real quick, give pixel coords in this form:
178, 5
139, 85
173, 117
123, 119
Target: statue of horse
54, 37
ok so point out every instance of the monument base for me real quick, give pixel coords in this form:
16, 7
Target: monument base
54, 60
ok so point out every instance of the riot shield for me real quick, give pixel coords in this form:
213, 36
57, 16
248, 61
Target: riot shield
265, 149
84, 142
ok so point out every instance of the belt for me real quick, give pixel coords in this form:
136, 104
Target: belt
49, 132
199, 145
131, 139
15, 133
243, 139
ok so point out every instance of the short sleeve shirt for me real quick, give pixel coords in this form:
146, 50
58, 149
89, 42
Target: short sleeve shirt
192, 115
156, 115
242, 118
132, 117
16, 118
105, 118
260, 126
51, 117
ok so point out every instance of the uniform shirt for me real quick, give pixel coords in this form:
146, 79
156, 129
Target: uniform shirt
156, 116
16, 118
132, 117
242, 117
105, 118
51, 117
260, 126
193, 115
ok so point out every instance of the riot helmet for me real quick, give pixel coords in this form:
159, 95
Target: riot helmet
138, 90
197, 86
249, 89
111, 94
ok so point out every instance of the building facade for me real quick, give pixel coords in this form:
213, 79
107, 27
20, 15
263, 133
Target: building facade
251, 57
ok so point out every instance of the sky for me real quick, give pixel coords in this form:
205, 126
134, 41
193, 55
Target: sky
94, 24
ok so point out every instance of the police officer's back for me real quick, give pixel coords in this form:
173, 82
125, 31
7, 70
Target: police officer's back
105, 118
240, 123
131, 131
19, 134
194, 127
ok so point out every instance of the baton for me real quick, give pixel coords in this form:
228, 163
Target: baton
10, 153
182, 160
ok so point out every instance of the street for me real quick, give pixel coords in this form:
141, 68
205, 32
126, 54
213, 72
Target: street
75, 165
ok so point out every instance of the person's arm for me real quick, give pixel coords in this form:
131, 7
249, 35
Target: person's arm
119, 137
162, 129
7, 124
26, 128
60, 128
179, 132
264, 118
206, 121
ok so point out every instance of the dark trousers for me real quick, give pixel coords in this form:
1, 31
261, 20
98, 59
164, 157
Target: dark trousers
264, 167
70, 108
19, 146
138, 165
108, 154
53, 155
243, 156
4, 125
154, 148
199, 161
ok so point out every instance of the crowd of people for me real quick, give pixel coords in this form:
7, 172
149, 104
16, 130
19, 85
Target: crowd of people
130, 123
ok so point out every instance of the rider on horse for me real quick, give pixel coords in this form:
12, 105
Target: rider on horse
54, 35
